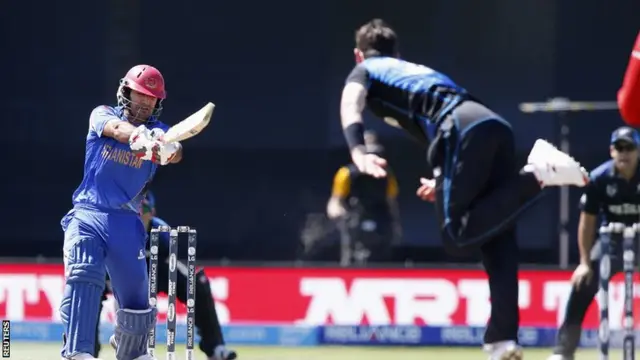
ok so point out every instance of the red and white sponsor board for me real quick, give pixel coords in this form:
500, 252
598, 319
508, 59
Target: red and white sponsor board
330, 296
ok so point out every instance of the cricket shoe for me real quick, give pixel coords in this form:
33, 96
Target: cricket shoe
504, 350
552, 167
222, 353
559, 357
80, 356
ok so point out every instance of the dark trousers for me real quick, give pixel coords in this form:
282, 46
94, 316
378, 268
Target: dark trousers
480, 190
579, 301
479, 194
500, 261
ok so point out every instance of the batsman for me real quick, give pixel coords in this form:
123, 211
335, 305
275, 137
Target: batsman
103, 231
613, 193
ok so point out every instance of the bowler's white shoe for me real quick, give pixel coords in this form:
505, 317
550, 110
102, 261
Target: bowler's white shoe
559, 357
552, 167
504, 350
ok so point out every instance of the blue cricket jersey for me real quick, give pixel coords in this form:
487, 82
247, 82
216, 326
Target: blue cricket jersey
413, 97
114, 178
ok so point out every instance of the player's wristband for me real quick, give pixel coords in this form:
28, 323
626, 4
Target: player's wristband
354, 134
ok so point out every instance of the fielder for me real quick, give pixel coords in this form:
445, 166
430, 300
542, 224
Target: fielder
479, 189
629, 93
614, 194
103, 231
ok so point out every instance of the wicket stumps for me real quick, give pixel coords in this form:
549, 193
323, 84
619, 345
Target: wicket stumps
626, 235
174, 265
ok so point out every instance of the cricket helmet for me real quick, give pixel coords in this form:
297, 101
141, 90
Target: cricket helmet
144, 79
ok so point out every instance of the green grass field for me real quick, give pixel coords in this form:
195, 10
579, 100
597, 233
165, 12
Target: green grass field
51, 351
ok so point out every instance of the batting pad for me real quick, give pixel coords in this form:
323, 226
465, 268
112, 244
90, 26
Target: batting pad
132, 332
79, 308
79, 311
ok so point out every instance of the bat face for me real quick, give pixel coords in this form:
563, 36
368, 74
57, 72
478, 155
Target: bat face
190, 126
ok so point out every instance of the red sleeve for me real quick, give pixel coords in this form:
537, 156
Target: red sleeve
629, 93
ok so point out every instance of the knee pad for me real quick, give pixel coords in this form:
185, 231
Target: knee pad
132, 332
83, 280
84, 263
87, 273
84, 260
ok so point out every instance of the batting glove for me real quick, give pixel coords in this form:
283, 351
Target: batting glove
141, 144
156, 134
164, 153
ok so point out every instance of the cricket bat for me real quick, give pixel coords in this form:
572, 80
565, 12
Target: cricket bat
190, 126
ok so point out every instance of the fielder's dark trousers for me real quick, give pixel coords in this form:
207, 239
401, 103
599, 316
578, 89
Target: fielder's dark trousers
479, 193
579, 301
